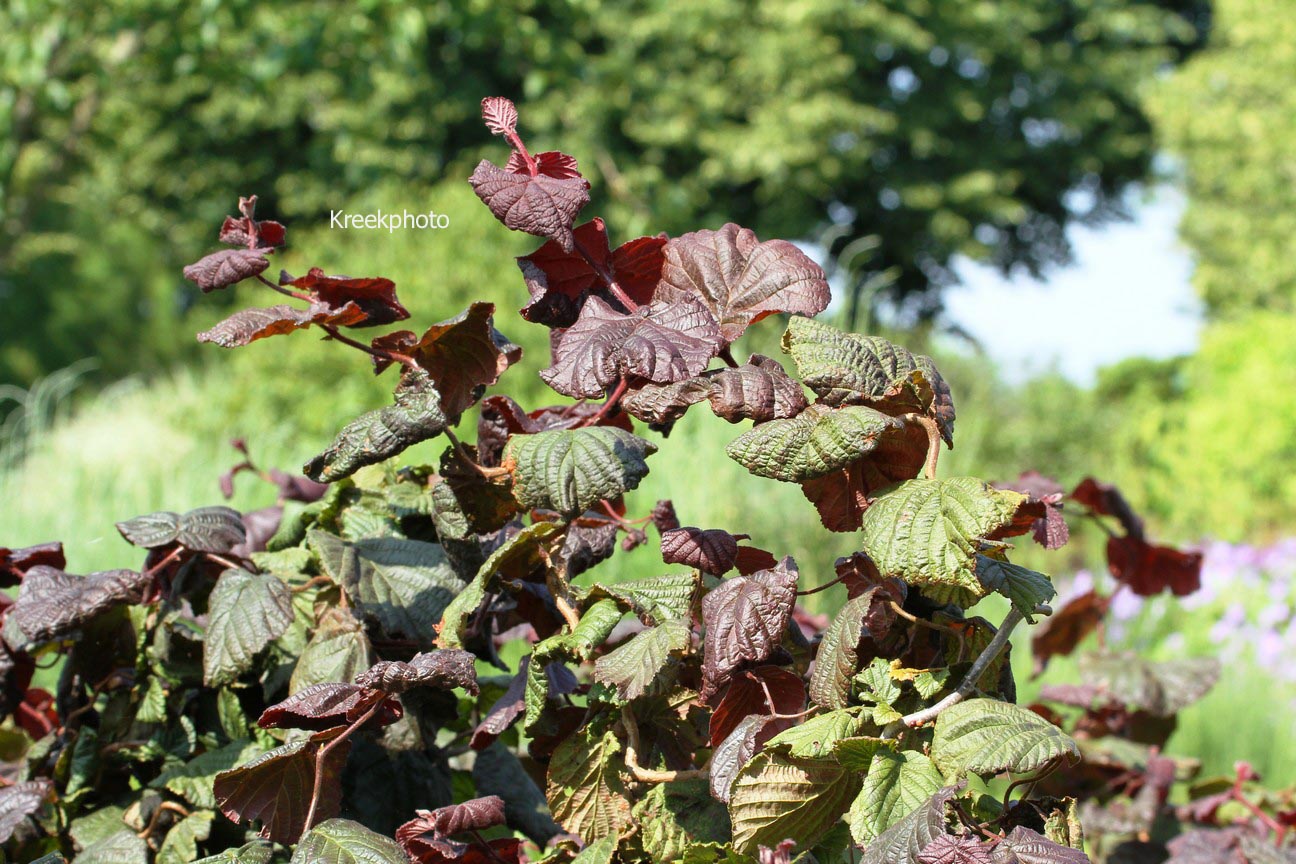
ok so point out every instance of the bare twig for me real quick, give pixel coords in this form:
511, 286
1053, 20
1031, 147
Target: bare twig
323, 755
650, 775
933, 441
968, 685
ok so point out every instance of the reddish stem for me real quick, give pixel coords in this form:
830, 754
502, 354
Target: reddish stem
323, 754
607, 407
515, 141
284, 291
823, 587
607, 277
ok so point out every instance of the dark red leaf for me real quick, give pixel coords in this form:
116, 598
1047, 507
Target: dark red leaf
745, 618
463, 355
444, 669
711, 550
559, 280
1050, 530
500, 115
745, 695
587, 545
1148, 570
276, 787
662, 342
780, 854
36, 713
751, 559
842, 496
260, 526
758, 390
550, 163
373, 295
20, 800
204, 529
536, 204
948, 849
15, 562
506, 710
329, 705
1106, 500
859, 574
226, 267
663, 516
53, 604
1059, 634
252, 234
428, 839
248, 325
740, 279
731, 754
1024, 846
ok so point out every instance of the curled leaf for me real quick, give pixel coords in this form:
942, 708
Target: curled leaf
569, 471
226, 267
374, 296
745, 618
20, 800
324, 706
444, 669
740, 279
15, 562
662, 342
758, 390
206, 529
816, 442
535, 203
52, 604
427, 839
500, 115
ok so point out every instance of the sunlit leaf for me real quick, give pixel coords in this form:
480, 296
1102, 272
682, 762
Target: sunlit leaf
745, 618
776, 796
569, 471
341, 841
816, 442
632, 666
247, 611
986, 736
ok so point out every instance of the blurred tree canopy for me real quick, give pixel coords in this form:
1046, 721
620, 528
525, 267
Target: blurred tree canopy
1230, 114
901, 133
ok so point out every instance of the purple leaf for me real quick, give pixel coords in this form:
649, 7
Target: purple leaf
662, 342
52, 604
1024, 846
948, 849
222, 269
276, 787
445, 669
745, 618
537, 204
324, 706
248, 325
20, 800
500, 115
740, 279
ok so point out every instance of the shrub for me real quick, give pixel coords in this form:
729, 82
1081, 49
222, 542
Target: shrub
313, 679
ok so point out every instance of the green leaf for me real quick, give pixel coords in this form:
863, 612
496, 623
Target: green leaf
598, 852
256, 852
338, 651
1025, 588
897, 784
775, 797
181, 843
376, 436
498, 771
986, 736
927, 531
856, 754
633, 666
403, 585
903, 841
838, 653
571, 470
592, 630
193, 780
247, 611
514, 559
816, 737
673, 815
848, 368
657, 599
587, 784
818, 441
120, 848
341, 841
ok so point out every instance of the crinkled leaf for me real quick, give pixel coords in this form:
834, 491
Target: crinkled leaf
124, 847
462, 356
657, 599
206, 529
817, 736
339, 650
740, 279
869, 614
248, 325
816, 442
181, 843
571, 470
673, 815
341, 841
1024, 587
324, 706
661, 342
499, 114
427, 837
376, 436
445, 669
246, 612
222, 269
15, 562
731, 754
776, 796
927, 531
758, 390
633, 666
1050, 530
745, 618
949, 849
275, 788
904, 841
537, 204
897, 784
20, 800
402, 585
709, 550
52, 604
193, 780
1024, 846
986, 736
850, 369
587, 785
559, 280
1161, 688
502, 417
256, 852
374, 296
842, 496
468, 501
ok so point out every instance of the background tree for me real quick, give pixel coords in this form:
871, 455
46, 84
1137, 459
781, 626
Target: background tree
913, 132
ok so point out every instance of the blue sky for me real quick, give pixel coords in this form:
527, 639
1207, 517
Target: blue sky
1126, 294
